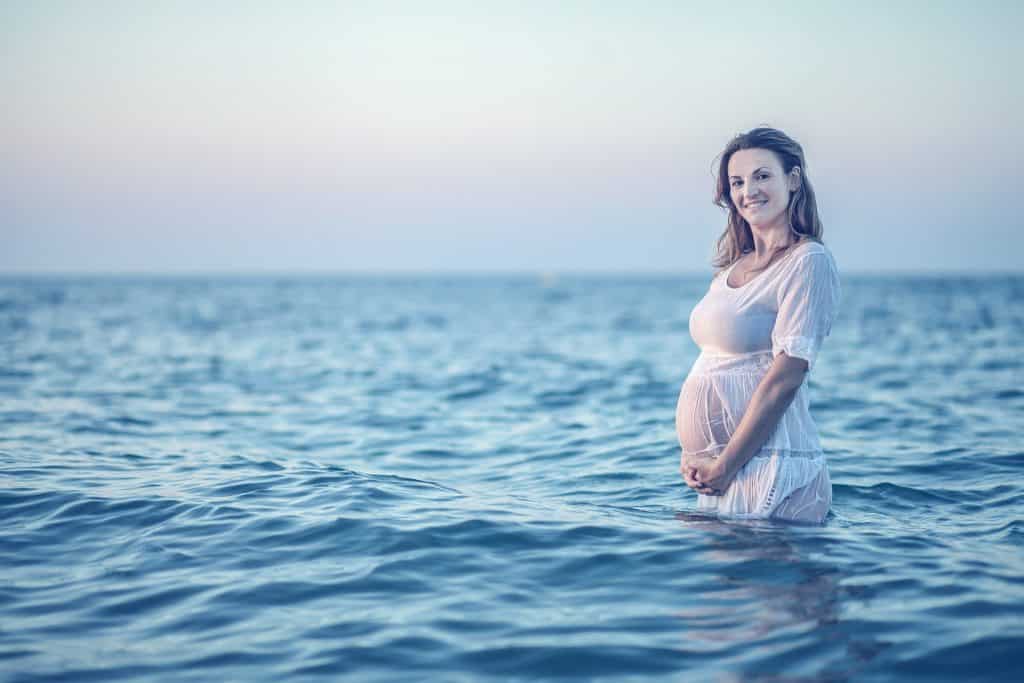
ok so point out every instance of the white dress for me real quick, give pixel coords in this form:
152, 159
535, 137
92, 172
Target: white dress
788, 307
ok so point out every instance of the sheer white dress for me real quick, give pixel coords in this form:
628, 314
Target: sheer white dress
787, 307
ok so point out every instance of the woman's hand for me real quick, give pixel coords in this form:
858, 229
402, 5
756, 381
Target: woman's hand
706, 475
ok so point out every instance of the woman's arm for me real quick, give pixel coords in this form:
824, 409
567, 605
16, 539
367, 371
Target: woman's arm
774, 393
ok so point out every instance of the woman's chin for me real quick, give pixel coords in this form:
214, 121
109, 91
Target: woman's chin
761, 221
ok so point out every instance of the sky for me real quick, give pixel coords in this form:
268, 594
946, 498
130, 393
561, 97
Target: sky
349, 136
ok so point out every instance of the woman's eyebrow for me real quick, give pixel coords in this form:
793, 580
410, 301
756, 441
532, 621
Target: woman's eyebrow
756, 170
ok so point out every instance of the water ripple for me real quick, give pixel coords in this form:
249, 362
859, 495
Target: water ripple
379, 479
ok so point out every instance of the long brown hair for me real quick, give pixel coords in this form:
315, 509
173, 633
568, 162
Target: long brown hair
737, 239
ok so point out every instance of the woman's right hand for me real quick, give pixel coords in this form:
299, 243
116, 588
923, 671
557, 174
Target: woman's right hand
691, 467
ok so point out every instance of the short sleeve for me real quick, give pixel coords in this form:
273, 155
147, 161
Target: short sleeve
808, 299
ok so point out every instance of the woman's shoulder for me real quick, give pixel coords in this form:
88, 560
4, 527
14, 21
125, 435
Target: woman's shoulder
811, 250
809, 261
811, 246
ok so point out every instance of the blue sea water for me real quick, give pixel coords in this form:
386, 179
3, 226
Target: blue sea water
475, 479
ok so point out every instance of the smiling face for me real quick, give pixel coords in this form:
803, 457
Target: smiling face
760, 188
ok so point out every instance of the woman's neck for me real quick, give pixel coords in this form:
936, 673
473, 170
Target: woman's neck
769, 240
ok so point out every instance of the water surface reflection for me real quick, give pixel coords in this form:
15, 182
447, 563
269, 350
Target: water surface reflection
775, 604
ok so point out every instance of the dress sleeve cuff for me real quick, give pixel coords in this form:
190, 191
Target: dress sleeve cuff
798, 347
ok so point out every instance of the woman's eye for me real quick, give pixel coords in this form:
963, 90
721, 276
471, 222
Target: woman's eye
736, 183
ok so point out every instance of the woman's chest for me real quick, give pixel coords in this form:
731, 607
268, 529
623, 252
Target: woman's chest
724, 322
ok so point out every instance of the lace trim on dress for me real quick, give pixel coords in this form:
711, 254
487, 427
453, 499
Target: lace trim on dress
768, 451
715, 451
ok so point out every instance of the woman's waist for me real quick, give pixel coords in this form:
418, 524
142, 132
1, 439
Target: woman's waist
713, 362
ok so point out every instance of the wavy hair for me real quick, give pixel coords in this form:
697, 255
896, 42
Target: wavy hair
737, 239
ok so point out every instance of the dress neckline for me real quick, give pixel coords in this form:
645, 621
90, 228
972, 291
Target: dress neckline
763, 272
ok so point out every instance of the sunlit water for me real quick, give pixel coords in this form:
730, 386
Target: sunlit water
467, 479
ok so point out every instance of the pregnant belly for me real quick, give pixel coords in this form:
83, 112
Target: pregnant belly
713, 399
703, 422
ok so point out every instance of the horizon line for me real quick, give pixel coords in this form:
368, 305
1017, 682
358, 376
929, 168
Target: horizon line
467, 272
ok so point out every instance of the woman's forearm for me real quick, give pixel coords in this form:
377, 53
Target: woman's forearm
769, 402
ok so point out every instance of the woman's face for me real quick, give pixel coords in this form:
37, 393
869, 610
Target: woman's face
759, 188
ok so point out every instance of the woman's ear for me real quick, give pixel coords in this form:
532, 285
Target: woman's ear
794, 179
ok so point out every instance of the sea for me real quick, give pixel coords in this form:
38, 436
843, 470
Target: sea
474, 477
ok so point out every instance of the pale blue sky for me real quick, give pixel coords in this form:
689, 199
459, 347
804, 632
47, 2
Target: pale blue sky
542, 136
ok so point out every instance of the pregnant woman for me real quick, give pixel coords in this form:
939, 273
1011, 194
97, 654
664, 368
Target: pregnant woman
749, 445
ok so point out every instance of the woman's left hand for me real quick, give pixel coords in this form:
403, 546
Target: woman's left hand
706, 475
